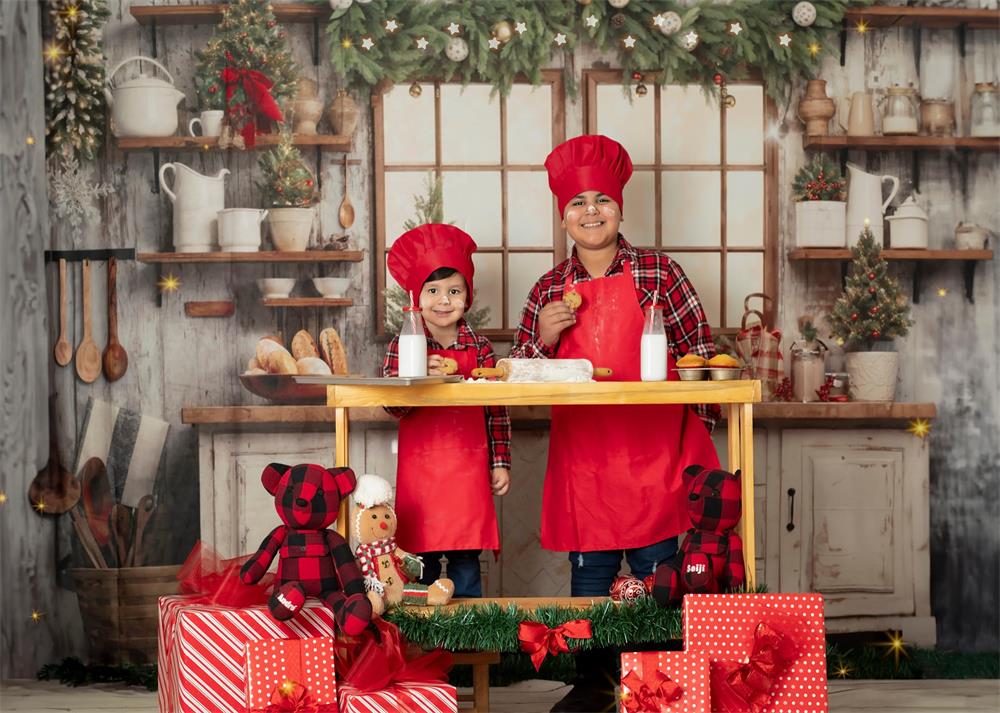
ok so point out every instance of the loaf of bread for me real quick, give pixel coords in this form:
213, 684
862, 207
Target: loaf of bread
264, 348
303, 345
333, 351
314, 366
281, 362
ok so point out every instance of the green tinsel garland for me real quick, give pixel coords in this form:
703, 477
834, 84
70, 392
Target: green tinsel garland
662, 58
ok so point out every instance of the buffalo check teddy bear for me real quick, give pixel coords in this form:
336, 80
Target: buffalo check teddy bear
711, 558
312, 560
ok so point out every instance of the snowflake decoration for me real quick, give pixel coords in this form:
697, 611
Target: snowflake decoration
74, 197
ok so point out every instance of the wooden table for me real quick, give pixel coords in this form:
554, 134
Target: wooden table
737, 397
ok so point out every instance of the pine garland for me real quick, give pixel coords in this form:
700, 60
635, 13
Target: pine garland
819, 180
74, 78
366, 49
872, 307
72, 671
286, 180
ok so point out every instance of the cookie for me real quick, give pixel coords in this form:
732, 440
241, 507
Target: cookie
448, 366
573, 299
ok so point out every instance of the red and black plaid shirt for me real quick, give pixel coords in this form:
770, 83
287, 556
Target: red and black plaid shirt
654, 273
497, 417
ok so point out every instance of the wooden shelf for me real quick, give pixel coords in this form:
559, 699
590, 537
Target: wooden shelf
307, 302
940, 18
901, 143
890, 254
323, 142
212, 14
264, 256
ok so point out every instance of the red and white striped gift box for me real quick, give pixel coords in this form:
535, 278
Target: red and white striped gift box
202, 650
400, 698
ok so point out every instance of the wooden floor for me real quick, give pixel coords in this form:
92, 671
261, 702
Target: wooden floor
538, 696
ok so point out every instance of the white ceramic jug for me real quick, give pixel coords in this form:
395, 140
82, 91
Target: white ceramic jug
239, 229
864, 202
197, 201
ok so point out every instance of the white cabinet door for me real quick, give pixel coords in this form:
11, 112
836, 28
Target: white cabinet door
849, 500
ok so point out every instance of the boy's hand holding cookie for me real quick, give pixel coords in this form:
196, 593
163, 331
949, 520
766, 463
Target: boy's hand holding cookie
553, 319
500, 481
438, 365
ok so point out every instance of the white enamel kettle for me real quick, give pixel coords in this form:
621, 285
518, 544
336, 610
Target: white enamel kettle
144, 106
197, 201
864, 202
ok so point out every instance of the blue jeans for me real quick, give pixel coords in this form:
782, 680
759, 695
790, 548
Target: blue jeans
594, 572
463, 570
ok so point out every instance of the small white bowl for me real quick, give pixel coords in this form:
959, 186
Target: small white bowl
331, 286
276, 287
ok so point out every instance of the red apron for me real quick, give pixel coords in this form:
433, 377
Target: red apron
443, 496
614, 473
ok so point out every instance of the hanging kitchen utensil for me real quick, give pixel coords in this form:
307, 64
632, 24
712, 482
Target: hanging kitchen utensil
63, 350
346, 214
97, 499
142, 514
115, 357
88, 356
121, 528
54, 490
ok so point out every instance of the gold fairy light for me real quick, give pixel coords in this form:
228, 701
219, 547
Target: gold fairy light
169, 283
919, 427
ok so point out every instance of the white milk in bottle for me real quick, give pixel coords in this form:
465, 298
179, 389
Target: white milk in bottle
412, 344
653, 348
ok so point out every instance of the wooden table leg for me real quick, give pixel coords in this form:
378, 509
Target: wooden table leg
481, 688
747, 524
342, 460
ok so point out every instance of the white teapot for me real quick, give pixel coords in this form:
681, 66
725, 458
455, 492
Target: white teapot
144, 106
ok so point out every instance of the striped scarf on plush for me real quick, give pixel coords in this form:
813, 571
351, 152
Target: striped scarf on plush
367, 554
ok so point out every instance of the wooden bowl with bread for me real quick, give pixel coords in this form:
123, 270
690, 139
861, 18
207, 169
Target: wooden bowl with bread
270, 372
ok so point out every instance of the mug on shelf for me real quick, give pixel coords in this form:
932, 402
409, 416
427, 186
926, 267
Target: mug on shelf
210, 122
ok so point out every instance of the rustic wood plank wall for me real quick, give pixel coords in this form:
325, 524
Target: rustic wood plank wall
950, 358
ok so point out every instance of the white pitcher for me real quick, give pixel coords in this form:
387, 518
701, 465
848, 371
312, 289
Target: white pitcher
864, 202
197, 201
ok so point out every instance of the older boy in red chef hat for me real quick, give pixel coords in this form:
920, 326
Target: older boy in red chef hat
452, 460
613, 483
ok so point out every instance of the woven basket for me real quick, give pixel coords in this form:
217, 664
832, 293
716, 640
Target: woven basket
119, 610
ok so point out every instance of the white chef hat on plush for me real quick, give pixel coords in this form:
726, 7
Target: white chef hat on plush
372, 490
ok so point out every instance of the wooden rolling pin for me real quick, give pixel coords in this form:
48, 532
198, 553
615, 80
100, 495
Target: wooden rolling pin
541, 370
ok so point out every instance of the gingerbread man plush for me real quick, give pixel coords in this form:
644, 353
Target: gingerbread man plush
312, 560
711, 558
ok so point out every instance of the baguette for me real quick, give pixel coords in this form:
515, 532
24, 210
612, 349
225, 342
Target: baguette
333, 351
303, 345
281, 362
313, 365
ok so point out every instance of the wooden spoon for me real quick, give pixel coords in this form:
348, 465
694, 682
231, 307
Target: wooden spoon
97, 499
346, 214
63, 350
88, 356
121, 526
54, 490
115, 356
143, 511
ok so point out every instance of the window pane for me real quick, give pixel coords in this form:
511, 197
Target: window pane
630, 124
745, 125
744, 274
489, 286
529, 210
745, 208
689, 126
408, 126
639, 211
703, 271
470, 124
691, 208
529, 124
472, 202
523, 272
401, 191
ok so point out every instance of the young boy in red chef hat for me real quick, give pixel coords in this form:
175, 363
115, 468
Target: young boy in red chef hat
452, 460
613, 482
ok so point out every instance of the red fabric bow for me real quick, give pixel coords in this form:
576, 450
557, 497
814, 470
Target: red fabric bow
738, 687
213, 580
379, 664
257, 90
294, 699
538, 640
650, 697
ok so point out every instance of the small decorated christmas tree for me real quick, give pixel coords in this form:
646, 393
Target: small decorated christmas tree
287, 181
74, 78
248, 57
819, 180
872, 307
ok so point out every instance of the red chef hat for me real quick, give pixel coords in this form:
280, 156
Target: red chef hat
419, 252
588, 163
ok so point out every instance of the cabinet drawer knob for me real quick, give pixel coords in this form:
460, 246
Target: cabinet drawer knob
791, 510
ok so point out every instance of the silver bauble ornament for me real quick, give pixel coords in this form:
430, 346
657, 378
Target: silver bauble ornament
804, 13
457, 49
671, 23
618, 4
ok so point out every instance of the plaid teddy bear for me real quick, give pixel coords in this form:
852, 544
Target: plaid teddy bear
711, 558
312, 560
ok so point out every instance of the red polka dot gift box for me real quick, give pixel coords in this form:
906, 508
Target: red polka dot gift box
291, 672
767, 652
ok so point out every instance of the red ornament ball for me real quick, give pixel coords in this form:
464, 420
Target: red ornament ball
873, 311
637, 75
876, 334
213, 89
854, 316
627, 589
871, 275
717, 78
309, 183
871, 290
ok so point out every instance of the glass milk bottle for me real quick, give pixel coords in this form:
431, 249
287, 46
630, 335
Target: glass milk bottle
412, 344
653, 350
808, 370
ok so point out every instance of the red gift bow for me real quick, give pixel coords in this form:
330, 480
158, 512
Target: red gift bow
213, 580
257, 88
294, 700
738, 687
539, 640
381, 662
650, 698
